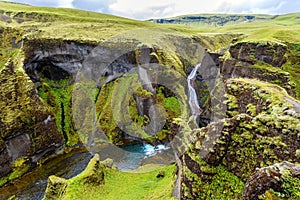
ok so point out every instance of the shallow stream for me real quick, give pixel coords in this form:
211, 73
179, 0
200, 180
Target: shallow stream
128, 157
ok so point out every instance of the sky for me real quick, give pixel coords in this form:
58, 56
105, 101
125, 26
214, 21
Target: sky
149, 9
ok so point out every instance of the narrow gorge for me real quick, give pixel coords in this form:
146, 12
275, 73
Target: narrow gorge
114, 108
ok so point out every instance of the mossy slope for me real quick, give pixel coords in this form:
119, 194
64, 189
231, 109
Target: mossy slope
261, 129
98, 181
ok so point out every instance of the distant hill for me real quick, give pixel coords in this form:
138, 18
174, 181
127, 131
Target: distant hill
213, 19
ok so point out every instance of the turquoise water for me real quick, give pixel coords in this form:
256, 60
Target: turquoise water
127, 157
135, 153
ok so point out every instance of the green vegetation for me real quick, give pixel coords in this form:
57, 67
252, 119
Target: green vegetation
291, 187
173, 104
100, 182
253, 144
117, 109
292, 66
125, 185
57, 94
283, 28
211, 182
213, 20
224, 185
290, 190
9, 45
261, 122
20, 167
44, 22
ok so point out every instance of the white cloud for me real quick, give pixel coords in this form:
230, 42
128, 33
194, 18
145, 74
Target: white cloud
65, 3
253, 6
142, 8
146, 9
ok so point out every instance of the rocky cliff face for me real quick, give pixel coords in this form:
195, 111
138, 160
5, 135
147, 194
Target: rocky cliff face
281, 177
250, 119
261, 61
261, 129
27, 127
215, 20
37, 102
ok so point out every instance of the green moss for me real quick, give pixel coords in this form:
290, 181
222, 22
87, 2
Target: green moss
9, 46
58, 95
231, 101
104, 108
264, 137
170, 59
297, 153
162, 135
291, 66
3, 180
20, 167
118, 110
251, 109
212, 182
123, 185
290, 186
224, 185
173, 105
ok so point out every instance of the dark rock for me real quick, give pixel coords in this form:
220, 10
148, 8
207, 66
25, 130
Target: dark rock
250, 60
250, 137
160, 174
251, 52
66, 57
267, 178
27, 126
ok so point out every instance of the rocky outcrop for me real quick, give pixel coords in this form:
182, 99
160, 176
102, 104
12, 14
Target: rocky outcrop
93, 175
27, 127
248, 52
271, 177
56, 187
261, 129
54, 59
215, 20
261, 61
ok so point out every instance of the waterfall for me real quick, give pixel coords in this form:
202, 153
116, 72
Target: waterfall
193, 101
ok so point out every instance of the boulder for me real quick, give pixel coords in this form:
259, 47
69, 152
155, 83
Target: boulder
271, 177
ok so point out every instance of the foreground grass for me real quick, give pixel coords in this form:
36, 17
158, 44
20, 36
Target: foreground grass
126, 185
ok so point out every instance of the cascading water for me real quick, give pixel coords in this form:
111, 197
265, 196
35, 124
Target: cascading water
193, 101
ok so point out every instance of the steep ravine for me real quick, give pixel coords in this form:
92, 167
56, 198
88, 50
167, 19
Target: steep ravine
38, 96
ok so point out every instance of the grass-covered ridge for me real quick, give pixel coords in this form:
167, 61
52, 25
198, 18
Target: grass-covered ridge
279, 28
64, 23
31, 30
100, 180
72, 24
196, 20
